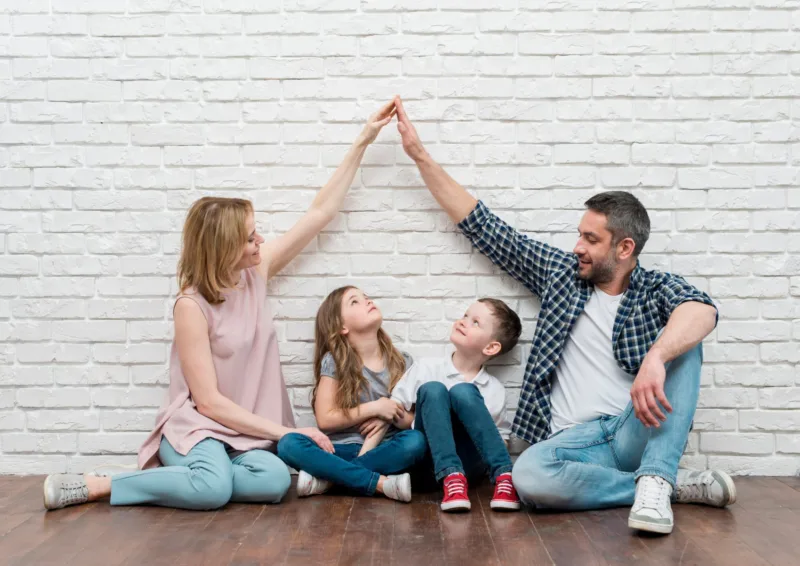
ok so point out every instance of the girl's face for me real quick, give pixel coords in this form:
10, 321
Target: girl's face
359, 313
251, 253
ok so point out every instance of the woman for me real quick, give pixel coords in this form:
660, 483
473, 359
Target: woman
227, 404
356, 366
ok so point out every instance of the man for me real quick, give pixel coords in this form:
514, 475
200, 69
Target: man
613, 341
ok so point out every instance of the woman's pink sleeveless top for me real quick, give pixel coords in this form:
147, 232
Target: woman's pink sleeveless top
244, 348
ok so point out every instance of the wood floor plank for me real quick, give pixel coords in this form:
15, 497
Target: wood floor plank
612, 538
417, 537
714, 531
270, 536
761, 528
676, 548
368, 535
565, 540
766, 493
515, 538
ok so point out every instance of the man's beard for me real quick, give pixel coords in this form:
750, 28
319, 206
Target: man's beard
601, 272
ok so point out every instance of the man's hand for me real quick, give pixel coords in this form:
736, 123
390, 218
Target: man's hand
411, 142
648, 387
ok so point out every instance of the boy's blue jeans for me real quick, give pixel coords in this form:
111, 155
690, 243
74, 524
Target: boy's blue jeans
462, 436
596, 464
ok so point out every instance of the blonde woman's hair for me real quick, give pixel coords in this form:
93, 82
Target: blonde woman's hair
214, 234
329, 338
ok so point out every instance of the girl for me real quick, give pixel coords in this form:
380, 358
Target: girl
227, 403
355, 368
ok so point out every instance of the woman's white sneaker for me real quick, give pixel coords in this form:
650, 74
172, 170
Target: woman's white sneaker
309, 485
62, 490
651, 510
398, 487
709, 487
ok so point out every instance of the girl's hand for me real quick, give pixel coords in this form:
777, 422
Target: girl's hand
318, 437
376, 122
387, 410
372, 426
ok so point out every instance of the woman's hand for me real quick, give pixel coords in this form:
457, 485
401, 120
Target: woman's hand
317, 436
375, 123
387, 410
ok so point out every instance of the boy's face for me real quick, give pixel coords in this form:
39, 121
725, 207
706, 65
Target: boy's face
474, 332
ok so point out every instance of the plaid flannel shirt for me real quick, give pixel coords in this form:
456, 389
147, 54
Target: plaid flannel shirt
552, 274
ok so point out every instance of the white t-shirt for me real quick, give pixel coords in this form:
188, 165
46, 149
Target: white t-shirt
443, 371
588, 382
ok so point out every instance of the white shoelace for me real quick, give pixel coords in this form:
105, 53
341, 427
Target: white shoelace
697, 490
653, 493
454, 487
505, 487
75, 492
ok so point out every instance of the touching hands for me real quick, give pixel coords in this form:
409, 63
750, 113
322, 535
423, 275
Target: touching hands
387, 410
648, 391
376, 122
318, 437
411, 142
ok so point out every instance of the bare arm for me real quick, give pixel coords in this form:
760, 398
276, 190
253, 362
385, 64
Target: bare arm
331, 418
194, 352
328, 201
373, 439
452, 197
688, 324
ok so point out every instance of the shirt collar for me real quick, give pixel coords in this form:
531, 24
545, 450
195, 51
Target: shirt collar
482, 378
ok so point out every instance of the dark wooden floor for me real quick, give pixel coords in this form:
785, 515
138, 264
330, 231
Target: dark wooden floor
762, 528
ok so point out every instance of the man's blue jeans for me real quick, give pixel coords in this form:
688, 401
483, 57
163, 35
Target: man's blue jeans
596, 464
345, 467
460, 431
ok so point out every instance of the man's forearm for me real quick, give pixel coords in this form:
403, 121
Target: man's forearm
686, 328
452, 197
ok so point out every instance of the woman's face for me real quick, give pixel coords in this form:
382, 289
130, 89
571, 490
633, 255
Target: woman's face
251, 254
359, 313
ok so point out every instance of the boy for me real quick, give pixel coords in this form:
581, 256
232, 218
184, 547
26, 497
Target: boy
461, 407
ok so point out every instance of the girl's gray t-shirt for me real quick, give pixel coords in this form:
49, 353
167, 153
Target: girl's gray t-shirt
378, 386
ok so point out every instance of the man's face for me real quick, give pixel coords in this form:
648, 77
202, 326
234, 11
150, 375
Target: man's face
596, 254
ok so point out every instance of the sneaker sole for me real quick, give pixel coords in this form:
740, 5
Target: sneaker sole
456, 506
505, 505
728, 485
649, 527
44, 493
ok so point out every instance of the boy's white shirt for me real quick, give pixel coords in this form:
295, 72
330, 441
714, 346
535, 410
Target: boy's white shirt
441, 369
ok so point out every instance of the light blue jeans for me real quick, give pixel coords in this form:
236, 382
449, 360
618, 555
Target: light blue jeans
596, 464
208, 477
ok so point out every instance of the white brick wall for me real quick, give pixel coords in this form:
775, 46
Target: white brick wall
119, 113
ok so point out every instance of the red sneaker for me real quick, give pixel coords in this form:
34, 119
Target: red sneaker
505, 497
455, 493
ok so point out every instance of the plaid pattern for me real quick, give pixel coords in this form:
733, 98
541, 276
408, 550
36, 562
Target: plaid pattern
551, 274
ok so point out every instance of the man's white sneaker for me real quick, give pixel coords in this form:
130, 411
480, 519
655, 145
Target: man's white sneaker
651, 510
709, 487
398, 487
309, 485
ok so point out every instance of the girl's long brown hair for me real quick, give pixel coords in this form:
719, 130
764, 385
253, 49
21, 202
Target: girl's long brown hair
214, 234
329, 338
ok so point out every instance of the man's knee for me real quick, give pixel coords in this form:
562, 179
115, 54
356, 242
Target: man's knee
433, 391
535, 479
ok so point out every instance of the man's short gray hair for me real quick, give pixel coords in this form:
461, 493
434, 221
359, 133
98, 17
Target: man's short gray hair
626, 217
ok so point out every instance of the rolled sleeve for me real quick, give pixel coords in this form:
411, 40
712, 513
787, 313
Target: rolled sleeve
675, 291
528, 261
